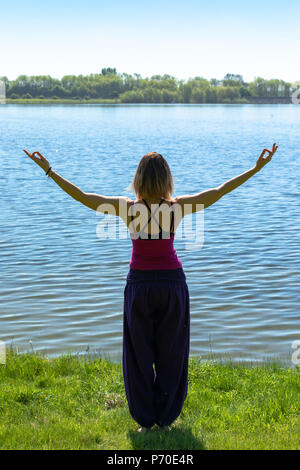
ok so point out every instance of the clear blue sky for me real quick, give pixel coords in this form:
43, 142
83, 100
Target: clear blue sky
182, 38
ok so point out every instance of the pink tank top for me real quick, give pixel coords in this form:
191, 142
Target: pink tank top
150, 253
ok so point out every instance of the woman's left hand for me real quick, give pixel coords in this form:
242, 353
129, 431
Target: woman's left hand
262, 161
39, 159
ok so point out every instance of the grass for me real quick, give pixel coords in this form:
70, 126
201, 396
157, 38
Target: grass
73, 402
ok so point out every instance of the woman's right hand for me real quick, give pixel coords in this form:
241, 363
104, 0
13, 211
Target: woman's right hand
261, 162
38, 158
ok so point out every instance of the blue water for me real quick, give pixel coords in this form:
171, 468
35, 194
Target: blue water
62, 287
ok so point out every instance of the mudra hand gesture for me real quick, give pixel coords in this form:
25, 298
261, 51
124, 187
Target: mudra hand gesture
38, 158
261, 162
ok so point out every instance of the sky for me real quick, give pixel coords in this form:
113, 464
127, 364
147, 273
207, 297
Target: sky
182, 38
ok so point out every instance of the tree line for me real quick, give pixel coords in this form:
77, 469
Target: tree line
125, 88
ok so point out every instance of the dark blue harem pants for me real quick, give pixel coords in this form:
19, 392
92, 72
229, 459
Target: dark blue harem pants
156, 337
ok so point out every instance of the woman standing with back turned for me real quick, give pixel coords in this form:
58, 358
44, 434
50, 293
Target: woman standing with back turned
156, 321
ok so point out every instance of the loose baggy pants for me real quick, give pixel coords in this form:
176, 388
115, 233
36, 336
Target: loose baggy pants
156, 337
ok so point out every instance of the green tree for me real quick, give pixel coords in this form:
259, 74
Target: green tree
109, 71
198, 95
227, 94
186, 91
134, 96
258, 88
232, 79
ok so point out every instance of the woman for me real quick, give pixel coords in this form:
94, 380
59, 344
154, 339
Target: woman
156, 323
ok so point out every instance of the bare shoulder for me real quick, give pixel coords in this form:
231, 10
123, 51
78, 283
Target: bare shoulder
124, 204
190, 203
108, 204
127, 200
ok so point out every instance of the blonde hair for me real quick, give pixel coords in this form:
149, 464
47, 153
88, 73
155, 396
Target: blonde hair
153, 178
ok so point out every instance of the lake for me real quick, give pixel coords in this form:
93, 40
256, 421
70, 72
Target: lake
62, 286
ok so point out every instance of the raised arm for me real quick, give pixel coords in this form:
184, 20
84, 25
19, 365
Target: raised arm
108, 204
212, 195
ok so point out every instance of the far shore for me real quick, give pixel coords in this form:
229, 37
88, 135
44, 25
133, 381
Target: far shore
118, 101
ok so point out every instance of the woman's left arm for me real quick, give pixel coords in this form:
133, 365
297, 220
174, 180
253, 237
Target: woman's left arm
110, 204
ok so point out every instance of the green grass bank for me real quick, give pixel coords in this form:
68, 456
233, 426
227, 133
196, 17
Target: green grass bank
73, 402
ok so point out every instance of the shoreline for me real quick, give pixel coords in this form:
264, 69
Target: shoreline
118, 101
87, 353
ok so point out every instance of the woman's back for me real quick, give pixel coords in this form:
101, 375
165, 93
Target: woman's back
153, 248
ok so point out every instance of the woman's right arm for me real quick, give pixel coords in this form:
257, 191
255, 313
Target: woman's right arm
115, 205
195, 202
